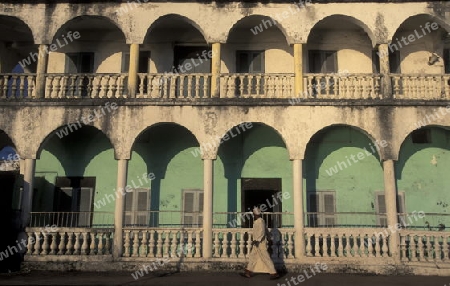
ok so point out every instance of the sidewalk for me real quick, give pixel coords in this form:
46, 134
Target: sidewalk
212, 279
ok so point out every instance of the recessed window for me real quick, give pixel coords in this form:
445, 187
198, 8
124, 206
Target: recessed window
422, 136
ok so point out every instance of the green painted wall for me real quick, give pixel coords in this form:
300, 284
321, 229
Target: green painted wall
355, 183
422, 173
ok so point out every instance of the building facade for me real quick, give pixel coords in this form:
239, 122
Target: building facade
146, 127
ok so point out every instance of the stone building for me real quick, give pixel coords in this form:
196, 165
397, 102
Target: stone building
146, 127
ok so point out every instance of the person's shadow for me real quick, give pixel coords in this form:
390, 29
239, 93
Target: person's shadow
277, 251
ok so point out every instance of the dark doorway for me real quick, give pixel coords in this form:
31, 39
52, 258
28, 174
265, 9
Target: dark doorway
262, 193
9, 224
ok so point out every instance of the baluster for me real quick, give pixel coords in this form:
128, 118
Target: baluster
241, 244
84, 246
232, 86
113, 87
378, 245
216, 245
171, 243
190, 244
197, 86
371, 246
69, 250
179, 245
143, 247
416, 248
121, 86
317, 246
384, 247
429, 250
30, 244
14, 86
308, 245
421, 248
141, 86
53, 245
291, 245
241, 86
151, 244
37, 244
333, 244
92, 245
62, 245
21, 86
325, 247
197, 243
225, 245
446, 247
340, 248
45, 245
159, 244
108, 237
127, 244
77, 244
100, 243
135, 250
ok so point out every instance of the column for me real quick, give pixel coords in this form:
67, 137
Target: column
122, 170
133, 70
207, 207
297, 190
41, 70
386, 84
215, 70
27, 195
390, 196
298, 70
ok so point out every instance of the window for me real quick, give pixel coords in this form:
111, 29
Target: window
380, 205
447, 60
322, 61
322, 209
144, 62
249, 62
76, 203
394, 62
137, 207
192, 208
80, 63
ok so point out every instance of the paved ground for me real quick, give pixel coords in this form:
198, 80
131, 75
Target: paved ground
213, 279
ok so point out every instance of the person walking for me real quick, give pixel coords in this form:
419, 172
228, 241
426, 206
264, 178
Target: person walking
259, 258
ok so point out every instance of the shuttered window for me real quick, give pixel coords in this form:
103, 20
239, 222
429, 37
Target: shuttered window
137, 208
77, 204
322, 208
192, 208
380, 204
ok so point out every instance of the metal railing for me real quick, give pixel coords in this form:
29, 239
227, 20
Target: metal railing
72, 219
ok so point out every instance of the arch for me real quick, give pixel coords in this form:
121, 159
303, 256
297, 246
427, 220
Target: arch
22, 22
83, 17
277, 24
78, 127
177, 17
278, 132
442, 23
7, 141
325, 128
350, 19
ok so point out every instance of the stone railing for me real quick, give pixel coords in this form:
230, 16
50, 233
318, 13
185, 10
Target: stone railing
158, 242
346, 242
255, 85
169, 85
14, 85
342, 86
424, 87
424, 246
236, 243
85, 85
69, 241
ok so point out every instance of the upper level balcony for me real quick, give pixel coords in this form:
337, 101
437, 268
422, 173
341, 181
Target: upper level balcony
341, 59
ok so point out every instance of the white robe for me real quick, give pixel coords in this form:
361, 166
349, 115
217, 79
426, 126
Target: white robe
259, 258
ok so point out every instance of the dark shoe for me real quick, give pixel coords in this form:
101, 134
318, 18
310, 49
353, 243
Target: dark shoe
246, 274
274, 276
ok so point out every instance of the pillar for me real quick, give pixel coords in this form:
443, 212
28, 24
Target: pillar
298, 69
207, 207
122, 169
27, 195
133, 70
297, 178
390, 196
41, 70
215, 70
386, 84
